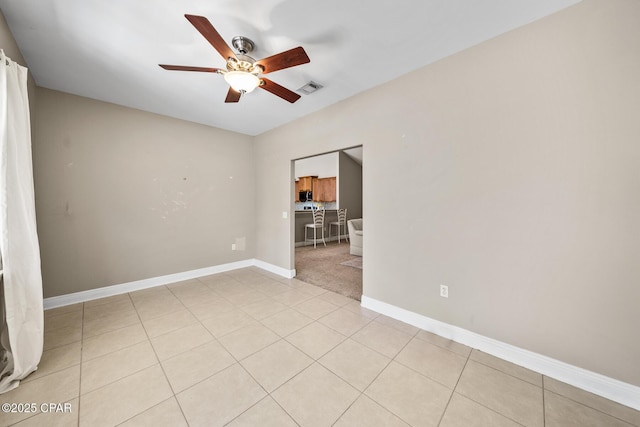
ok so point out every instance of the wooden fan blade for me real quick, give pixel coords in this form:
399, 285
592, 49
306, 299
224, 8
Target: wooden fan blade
205, 28
232, 96
282, 60
188, 68
278, 90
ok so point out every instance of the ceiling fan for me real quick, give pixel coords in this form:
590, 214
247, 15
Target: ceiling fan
243, 73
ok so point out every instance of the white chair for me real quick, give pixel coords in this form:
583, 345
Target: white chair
356, 235
318, 224
341, 222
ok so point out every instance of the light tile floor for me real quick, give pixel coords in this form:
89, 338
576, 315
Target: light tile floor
247, 348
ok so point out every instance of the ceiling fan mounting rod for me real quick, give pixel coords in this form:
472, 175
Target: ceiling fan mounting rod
243, 45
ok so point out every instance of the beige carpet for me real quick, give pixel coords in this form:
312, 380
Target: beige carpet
355, 263
323, 267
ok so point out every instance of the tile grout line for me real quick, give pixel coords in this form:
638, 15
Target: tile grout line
588, 405
323, 354
351, 404
159, 363
81, 361
237, 361
314, 361
302, 302
594, 409
268, 394
506, 373
454, 388
392, 359
425, 375
467, 397
361, 393
482, 404
280, 338
544, 405
35, 414
123, 348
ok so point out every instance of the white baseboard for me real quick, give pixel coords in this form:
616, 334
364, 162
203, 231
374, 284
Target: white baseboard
107, 291
289, 274
609, 388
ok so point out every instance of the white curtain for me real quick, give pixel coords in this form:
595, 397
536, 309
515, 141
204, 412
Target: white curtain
21, 335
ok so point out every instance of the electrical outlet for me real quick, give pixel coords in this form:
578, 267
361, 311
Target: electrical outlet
233, 246
444, 291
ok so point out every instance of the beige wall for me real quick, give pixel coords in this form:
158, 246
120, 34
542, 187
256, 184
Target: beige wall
514, 168
123, 195
349, 186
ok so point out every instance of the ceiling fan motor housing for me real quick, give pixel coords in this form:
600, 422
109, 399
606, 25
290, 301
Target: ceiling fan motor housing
244, 63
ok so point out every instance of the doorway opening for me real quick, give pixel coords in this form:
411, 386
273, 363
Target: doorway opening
331, 181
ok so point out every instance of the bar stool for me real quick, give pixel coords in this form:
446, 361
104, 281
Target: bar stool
341, 222
318, 224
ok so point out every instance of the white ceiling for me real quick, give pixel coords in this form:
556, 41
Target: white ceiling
110, 49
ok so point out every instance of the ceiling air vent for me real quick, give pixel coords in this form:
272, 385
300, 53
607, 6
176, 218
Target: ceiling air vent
310, 87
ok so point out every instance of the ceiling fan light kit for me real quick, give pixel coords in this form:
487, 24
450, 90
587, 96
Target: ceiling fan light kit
242, 71
241, 81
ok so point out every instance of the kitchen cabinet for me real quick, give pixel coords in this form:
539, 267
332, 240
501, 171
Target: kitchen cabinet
324, 189
304, 183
